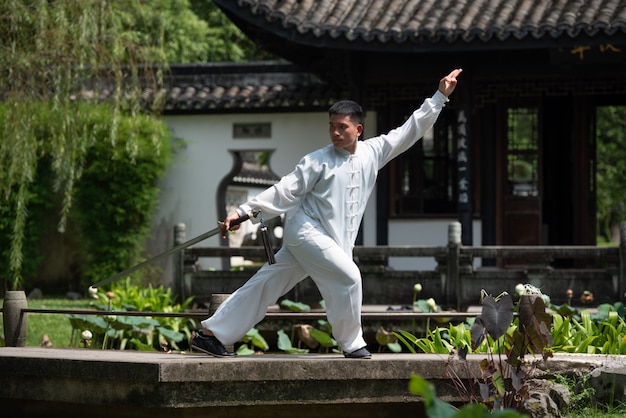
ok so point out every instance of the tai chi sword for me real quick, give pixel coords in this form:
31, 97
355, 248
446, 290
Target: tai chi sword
221, 229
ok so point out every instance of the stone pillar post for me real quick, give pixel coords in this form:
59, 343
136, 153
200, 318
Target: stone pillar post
216, 300
453, 284
13, 319
180, 235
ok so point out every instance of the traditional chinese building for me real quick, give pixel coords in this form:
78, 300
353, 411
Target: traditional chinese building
515, 149
512, 156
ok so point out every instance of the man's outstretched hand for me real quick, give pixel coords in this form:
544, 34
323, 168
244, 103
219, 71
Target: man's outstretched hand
448, 83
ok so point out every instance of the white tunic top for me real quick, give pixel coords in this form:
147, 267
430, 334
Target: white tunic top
329, 188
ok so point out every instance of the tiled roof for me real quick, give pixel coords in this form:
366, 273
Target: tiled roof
377, 23
265, 86
231, 87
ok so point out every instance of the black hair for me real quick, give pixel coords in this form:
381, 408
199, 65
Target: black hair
349, 108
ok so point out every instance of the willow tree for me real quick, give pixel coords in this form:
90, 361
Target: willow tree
54, 53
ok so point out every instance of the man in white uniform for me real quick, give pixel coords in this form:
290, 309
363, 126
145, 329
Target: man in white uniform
324, 199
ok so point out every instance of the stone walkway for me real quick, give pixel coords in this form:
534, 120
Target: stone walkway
86, 382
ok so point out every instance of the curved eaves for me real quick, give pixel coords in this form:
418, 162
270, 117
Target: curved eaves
380, 24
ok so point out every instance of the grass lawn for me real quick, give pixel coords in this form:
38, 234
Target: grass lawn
619, 412
56, 326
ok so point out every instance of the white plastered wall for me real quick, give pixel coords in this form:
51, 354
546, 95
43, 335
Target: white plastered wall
189, 189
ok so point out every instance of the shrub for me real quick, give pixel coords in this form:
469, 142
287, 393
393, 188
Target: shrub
113, 199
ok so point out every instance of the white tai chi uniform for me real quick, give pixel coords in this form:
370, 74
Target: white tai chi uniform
324, 199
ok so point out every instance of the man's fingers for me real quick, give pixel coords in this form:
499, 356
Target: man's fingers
454, 74
227, 226
448, 83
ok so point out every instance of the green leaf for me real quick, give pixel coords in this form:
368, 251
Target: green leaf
171, 335
141, 346
244, 350
498, 383
257, 340
323, 338
394, 347
407, 339
91, 322
284, 344
472, 410
295, 306
435, 408
440, 344
422, 305
295, 350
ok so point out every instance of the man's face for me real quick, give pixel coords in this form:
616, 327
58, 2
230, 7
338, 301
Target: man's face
343, 132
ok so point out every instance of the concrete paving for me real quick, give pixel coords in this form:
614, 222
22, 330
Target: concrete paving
38, 382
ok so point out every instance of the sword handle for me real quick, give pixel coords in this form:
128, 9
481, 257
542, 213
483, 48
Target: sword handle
238, 221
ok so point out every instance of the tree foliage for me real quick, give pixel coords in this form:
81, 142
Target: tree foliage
225, 41
52, 50
611, 172
115, 197
54, 53
113, 201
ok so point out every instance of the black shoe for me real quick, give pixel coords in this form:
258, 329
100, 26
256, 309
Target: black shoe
360, 353
210, 345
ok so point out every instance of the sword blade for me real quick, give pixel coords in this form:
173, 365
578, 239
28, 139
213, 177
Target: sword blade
220, 229
171, 251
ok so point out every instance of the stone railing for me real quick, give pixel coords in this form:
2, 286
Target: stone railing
456, 282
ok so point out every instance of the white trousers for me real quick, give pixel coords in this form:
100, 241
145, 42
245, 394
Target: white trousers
334, 272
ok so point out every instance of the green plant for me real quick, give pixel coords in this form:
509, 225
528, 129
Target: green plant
119, 188
436, 408
284, 344
581, 394
433, 342
584, 335
314, 338
295, 306
112, 201
252, 339
323, 335
610, 152
424, 305
41, 197
319, 338
56, 50
140, 332
389, 340
501, 382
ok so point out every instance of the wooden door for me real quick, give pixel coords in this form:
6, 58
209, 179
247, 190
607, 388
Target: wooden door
521, 178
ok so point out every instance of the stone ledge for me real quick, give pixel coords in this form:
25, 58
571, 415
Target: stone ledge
122, 382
